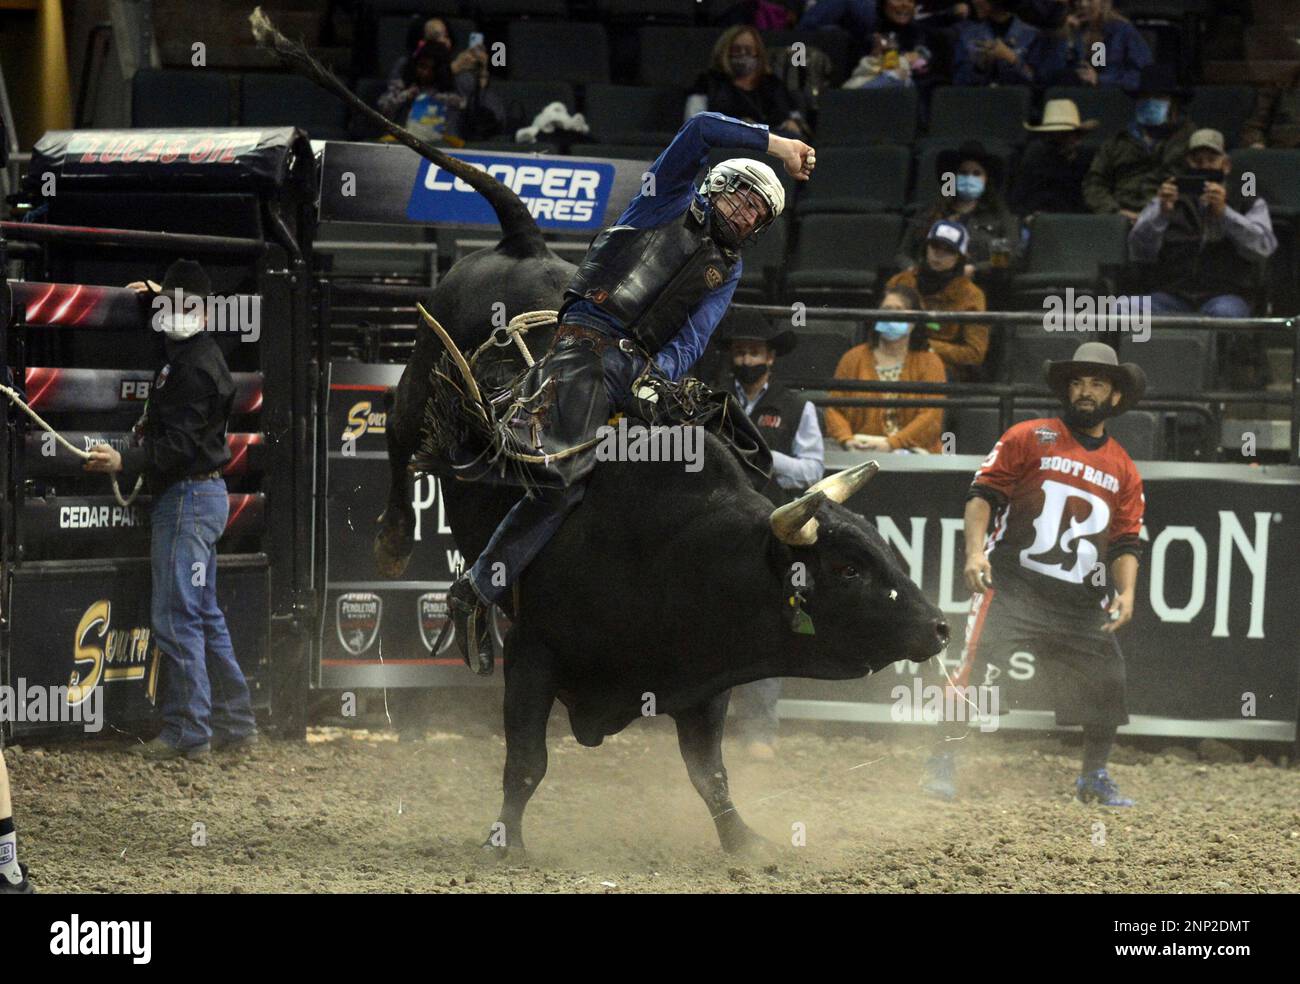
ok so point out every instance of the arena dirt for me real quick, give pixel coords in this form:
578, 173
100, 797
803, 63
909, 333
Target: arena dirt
359, 811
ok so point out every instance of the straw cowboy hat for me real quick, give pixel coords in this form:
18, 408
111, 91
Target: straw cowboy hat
1098, 359
1061, 116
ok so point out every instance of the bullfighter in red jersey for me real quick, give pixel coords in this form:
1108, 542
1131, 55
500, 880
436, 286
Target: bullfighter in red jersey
1056, 574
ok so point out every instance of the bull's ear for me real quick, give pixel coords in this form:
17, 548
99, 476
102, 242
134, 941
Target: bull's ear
793, 523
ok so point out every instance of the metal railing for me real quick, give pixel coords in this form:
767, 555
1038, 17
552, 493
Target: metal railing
1005, 396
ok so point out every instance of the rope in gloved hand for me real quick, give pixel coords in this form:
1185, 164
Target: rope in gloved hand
85, 455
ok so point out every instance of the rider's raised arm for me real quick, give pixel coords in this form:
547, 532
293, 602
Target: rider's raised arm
666, 189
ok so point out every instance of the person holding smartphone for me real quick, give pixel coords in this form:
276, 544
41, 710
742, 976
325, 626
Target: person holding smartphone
1205, 237
441, 97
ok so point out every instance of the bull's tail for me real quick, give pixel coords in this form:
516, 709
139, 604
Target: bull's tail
520, 235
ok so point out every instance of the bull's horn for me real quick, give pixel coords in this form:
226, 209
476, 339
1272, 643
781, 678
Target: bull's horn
793, 523
456, 355
841, 486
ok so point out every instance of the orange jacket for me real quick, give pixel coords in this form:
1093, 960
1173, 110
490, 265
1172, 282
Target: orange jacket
919, 427
958, 344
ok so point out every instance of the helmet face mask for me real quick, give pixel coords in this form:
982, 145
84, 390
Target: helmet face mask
744, 197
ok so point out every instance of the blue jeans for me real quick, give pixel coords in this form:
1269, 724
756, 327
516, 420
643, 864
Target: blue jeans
533, 520
1221, 306
204, 691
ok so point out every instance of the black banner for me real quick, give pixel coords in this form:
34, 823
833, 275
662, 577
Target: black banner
84, 625
208, 159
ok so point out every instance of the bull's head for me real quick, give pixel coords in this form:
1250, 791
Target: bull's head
864, 612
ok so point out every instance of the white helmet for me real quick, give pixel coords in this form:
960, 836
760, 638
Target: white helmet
741, 173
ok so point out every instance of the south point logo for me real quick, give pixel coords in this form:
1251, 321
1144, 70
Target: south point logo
102, 653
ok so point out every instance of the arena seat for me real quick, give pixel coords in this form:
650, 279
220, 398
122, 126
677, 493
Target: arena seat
633, 113
760, 279
675, 55
524, 100
675, 11
979, 113
816, 354
1140, 433
426, 8
497, 9
1277, 173
619, 152
165, 97
1026, 347
836, 43
1109, 105
839, 258
291, 100
859, 179
532, 46
858, 117
1222, 107
1174, 359
1071, 251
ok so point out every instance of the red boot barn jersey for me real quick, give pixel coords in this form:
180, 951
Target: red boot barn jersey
1063, 503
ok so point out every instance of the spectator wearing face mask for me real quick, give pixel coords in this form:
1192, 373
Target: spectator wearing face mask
1049, 177
1130, 166
738, 84
1093, 32
971, 176
995, 47
895, 351
941, 280
904, 51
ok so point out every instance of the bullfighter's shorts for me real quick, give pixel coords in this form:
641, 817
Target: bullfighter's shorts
1081, 667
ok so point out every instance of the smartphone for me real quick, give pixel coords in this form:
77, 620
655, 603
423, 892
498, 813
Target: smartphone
1191, 188
476, 39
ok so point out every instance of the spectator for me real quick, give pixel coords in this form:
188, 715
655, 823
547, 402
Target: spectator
1130, 166
1276, 120
974, 176
444, 99
1206, 240
434, 30
858, 17
904, 51
739, 84
788, 422
895, 351
1050, 175
943, 14
943, 284
1093, 32
995, 47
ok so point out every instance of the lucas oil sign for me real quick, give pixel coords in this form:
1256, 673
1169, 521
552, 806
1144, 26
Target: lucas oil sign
562, 194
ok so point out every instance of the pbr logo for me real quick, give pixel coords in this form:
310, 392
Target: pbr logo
357, 619
712, 277
769, 420
1045, 435
134, 389
432, 609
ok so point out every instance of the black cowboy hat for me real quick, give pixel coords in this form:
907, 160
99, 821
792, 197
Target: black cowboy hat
189, 276
752, 326
970, 150
1161, 80
1098, 359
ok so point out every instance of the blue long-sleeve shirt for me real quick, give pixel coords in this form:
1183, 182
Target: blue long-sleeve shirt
856, 16
1127, 53
666, 199
1019, 37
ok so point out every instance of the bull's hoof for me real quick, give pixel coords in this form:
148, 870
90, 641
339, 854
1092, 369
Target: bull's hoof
748, 846
392, 551
502, 854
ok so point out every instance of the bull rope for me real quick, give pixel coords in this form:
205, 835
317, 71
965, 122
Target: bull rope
84, 455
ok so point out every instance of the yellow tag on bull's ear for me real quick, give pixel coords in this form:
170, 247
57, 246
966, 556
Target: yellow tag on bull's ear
613, 421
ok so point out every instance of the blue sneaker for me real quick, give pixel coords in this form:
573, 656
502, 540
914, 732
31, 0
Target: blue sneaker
940, 773
1097, 787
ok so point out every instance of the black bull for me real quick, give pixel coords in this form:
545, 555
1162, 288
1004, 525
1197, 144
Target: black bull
664, 588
